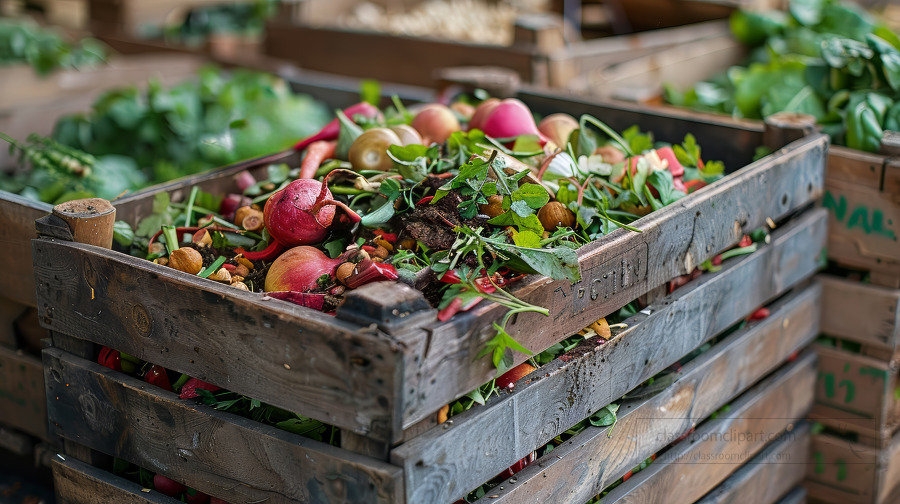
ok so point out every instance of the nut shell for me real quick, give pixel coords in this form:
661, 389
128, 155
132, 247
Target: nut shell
554, 214
186, 259
344, 271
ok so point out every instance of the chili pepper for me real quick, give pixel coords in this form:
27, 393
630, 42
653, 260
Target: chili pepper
368, 271
391, 237
267, 254
628, 475
316, 153
424, 200
110, 358
746, 241
189, 390
518, 466
760, 314
157, 376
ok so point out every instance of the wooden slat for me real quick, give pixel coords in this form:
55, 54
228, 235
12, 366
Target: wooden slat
80, 483
765, 411
856, 393
237, 340
17, 216
796, 496
218, 453
862, 169
841, 471
511, 427
864, 227
582, 467
868, 314
361, 54
770, 475
23, 404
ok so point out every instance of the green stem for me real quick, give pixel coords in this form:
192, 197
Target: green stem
263, 197
190, 206
739, 251
610, 132
171, 238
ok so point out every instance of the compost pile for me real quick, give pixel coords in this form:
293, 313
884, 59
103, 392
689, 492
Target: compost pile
457, 201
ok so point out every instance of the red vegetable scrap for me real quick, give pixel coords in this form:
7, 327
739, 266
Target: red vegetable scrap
157, 375
759, 314
518, 466
167, 486
189, 390
333, 129
316, 154
110, 358
746, 241
313, 300
507, 380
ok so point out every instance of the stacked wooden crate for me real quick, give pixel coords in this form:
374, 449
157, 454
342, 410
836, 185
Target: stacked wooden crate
857, 459
383, 367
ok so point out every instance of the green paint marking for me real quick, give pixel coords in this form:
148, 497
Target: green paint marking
851, 390
869, 220
874, 372
840, 407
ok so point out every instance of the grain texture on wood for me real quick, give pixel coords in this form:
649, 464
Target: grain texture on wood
857, 393
721, 445
22, 401
859, 312
580, 468
447, 371
786, 127
361, 54
770, 475
336, 372
863, 169
218, 453
841, 471
510, 427
80, 483
17, 216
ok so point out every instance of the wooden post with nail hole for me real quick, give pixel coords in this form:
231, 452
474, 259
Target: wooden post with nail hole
88, 221
785, 127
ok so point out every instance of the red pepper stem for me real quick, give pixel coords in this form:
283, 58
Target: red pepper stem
267, 254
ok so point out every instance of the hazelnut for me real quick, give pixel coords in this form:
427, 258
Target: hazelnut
240, 286
344, 271
186, 259
380, 253
222, 275
554, 214
242, 213
493, 207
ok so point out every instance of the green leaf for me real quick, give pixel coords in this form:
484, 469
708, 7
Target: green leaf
526, 238
380, 215
521, 208
349, 132
370, 91
807, 12
605, 417
122, 233
212, 268
534, 195
663, 182
556, 263
497, 347
529, 222
639, 142
334, 248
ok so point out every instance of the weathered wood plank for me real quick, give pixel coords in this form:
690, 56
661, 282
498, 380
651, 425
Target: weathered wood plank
583, 466
218, 453
17, 216
80, 483
868, 314
770, 475
511, 427
864, 227
615, 270
856, 393
361, 54
681, 475
841, 471
23, 404
863, 169
238, 340
795, 496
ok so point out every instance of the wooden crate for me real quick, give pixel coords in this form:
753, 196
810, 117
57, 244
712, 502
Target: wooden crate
80, 483
878, 332
844, 472
857, 393
135, 17
159, 432
426, 467
650, 14
539, 54
591, 461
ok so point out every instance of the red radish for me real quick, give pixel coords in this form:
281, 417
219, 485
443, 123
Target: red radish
509, 119
299, 268
243, 180
313, 300
157, 376
192, 496
332, 129
508, 379
482, 112
435, 122
558, 128
302, 213
167, 486
189, 390
317, 152
674, 167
